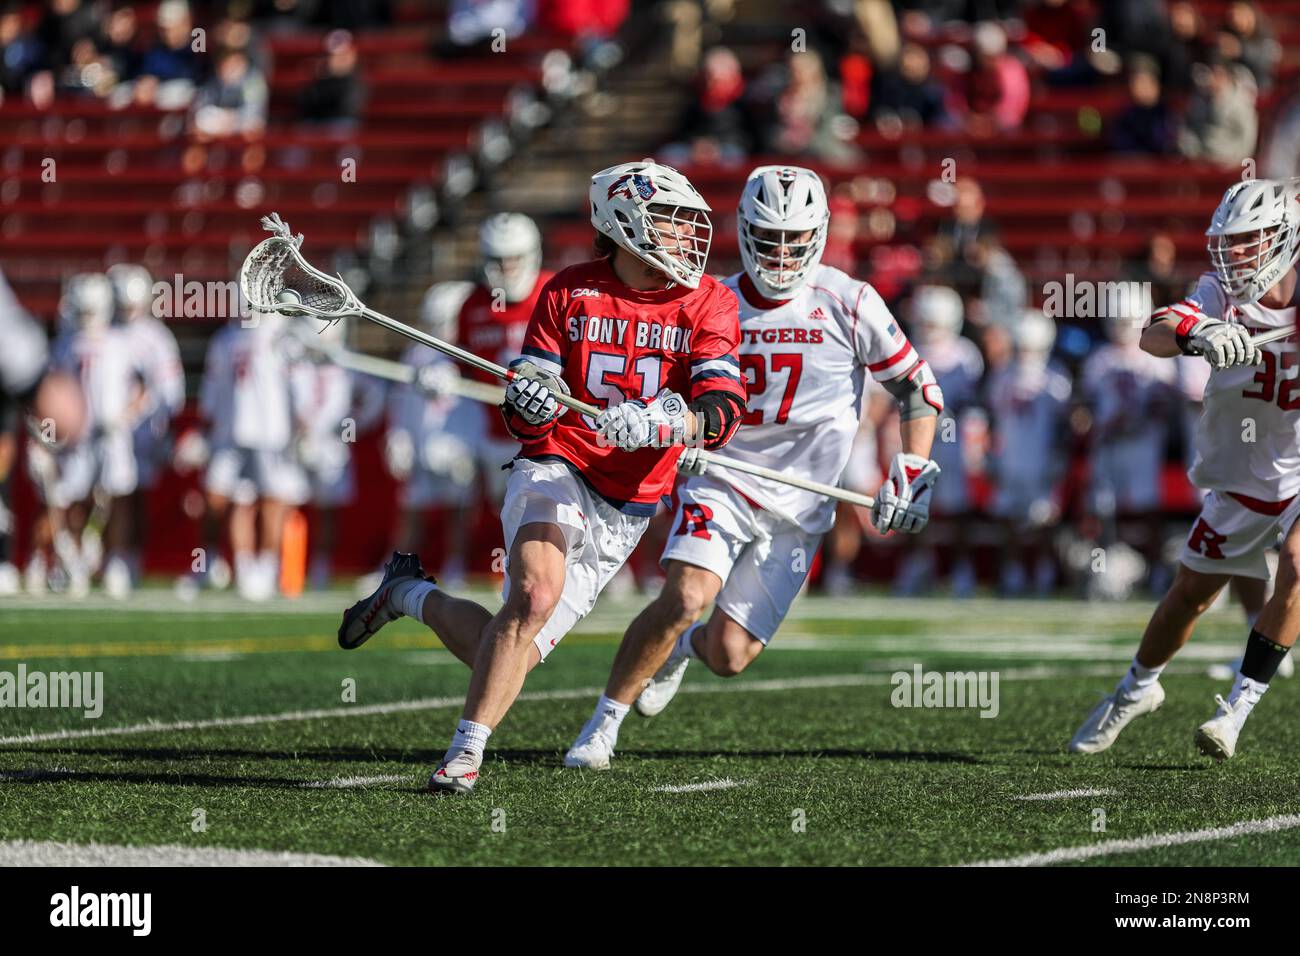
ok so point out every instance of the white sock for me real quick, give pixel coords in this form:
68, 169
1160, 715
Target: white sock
408, 597
612, 713
1138, 680
469, 736
1246, 693
269, 567
685, 647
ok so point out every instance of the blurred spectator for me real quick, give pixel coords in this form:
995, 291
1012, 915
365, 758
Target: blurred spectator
714, 125
64, 23
22, 54
953, 250
470, 22
171, 69
1282, 157
838, 24
908, 96
995, 92
337, 93
843, 230
798, 108
1247, 39
590, 26
233, 102
86, 71
118, 44
1221, 123
1158, 265
1186, 48
1056, 32
1136, 26
1146, 124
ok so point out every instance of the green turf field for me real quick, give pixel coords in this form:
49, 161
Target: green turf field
801, 760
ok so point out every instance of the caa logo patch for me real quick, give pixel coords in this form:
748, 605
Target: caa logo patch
624, 185
584, 294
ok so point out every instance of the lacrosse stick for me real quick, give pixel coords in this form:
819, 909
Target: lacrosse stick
397, 372
1274, 335
276, 278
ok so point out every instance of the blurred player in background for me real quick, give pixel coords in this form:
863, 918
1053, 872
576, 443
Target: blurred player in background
103, 461
492, 322
156, 360
1129, 394
433, 439
630, 332
247, 402
1247, 459
937, 316
810, 338
862, 474
1027, 402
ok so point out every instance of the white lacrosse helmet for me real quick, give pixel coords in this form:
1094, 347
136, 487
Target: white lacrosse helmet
937, 312
440, 308
781, 203
653, 212
1034, 335
1255, 237
133, 288
511, 249
87, 302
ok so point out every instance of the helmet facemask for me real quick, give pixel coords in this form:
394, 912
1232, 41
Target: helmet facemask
516, 276
678, 240
1250, 263
780, 259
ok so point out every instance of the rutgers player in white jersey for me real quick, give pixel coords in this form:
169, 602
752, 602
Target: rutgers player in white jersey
1247, 460
433, 438
1130, 394
810, 338
156, 360
246, 399
90, 348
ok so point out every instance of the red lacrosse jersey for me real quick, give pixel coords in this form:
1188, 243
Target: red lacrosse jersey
611, 343
496, 335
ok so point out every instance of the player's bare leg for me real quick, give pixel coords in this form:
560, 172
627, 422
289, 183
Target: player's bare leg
724, 646
1139, 691
843, 544
653, 652
458, 622
1271, 638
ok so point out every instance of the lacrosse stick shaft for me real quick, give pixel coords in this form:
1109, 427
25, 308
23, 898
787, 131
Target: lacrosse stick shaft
830, 491
405, 375
1264, 338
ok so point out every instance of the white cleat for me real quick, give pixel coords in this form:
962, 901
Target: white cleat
11, 581
1217, 737
662, 687
362, 620
594, 747
117, 579
1110, 717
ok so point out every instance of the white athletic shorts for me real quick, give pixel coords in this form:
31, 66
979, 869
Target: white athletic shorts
246, 474
106, 463
599, 537
1230, 538
332, 485
762, 560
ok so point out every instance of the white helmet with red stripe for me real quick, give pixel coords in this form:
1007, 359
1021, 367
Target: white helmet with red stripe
511, 248
781, 223
654, 212
1255, 236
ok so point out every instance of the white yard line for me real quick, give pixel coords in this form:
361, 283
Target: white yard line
1069, 794
726, 783
346, 783
580, 693
48, 853
1073, 854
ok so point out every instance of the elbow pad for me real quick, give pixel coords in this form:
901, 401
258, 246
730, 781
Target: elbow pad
718, 414
917, 392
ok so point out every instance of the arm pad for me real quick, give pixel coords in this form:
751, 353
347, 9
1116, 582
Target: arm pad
718, 414
917, 392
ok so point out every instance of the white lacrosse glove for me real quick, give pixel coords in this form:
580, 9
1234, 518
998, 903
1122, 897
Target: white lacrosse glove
692, 462
399, 454
1222, 344
437, 381
531, 393
903, 502
635, 424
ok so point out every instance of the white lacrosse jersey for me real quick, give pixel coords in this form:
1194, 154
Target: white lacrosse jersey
247, 390
1131, 393
427, 420
1027, 403
959, 369
805, 363
101, 361
157, 361
1264, 396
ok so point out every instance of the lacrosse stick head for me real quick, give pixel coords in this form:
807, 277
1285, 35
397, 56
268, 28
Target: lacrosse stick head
276, 278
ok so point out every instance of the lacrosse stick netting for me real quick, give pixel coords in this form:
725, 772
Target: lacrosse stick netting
276, 278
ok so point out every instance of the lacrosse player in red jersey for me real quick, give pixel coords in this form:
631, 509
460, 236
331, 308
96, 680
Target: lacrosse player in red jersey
1247, 460
811, 339
640, 332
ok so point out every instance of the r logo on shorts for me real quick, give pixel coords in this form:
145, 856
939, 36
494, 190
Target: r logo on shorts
695, 521
1205, 541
